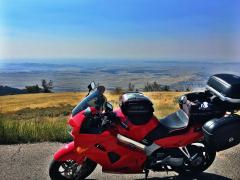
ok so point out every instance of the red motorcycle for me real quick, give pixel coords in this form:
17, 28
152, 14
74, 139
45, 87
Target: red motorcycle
131, 139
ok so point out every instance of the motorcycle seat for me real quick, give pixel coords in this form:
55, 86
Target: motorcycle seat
175, 121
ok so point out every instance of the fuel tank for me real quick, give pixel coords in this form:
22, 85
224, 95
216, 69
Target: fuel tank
136, 132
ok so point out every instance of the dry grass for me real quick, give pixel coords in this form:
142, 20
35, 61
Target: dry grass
43, 117
14, 103
164, 102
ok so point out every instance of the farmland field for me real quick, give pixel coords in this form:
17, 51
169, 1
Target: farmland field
43, 117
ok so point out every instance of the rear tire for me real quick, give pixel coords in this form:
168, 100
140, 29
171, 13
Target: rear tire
71, 170
208, 155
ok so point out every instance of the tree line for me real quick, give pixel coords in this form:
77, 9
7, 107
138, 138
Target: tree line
46, 87
149, 87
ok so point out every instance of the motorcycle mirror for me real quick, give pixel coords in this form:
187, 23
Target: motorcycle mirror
182, 100
108, 107
91, 86
101, 89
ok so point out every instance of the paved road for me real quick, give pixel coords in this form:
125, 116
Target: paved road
30, 161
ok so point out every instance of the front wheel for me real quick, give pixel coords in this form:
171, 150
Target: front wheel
70, 170
204, 157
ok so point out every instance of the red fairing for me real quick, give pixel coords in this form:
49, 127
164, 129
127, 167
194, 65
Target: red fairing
180, 140
100, 145
97, 147
136, 132
68, 152
78, 119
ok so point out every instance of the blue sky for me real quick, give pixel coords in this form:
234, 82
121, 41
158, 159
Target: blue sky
129, 29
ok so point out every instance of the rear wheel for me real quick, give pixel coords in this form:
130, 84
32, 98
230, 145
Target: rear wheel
203, 158
69, 170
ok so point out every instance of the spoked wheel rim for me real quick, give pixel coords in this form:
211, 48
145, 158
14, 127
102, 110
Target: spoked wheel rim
69, 169
204, 158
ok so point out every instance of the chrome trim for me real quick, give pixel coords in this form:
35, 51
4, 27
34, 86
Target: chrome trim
131, 142
185, 151
147, 149
222, 97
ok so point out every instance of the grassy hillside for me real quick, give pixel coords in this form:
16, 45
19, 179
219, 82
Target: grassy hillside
43, 117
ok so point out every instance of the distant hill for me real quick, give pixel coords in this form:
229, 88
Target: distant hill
115, 73
6, 90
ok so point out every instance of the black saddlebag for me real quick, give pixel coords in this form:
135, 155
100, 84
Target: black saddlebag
137, 107
222, 133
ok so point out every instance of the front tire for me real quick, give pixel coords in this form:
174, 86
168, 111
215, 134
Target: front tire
70, 170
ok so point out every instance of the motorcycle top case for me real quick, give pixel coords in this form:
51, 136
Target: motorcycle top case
222, 133
137, 107
226, 87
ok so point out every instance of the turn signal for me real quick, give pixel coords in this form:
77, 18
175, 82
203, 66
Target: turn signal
80, 150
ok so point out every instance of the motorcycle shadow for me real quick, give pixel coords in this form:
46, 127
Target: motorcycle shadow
203, 176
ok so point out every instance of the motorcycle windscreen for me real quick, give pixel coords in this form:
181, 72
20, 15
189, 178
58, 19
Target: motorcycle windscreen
94, 99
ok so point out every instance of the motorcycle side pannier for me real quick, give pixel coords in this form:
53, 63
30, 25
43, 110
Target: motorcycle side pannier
222, 133
137, 107
227, 88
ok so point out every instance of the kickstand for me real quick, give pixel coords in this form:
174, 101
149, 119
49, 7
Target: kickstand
146, 173
166, 168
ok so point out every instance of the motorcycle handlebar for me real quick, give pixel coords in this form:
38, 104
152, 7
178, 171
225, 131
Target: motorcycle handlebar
111, 117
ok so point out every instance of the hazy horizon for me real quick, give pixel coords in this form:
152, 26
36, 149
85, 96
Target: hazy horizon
112, 60
76, 76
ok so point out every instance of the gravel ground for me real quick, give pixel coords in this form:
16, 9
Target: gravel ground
31, 161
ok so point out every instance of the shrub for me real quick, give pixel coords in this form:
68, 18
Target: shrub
47, 86
130, 87
118, 90
149, 87
33, 89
